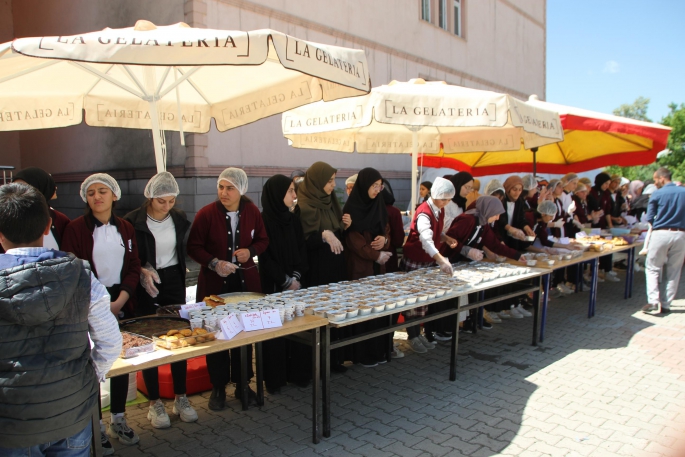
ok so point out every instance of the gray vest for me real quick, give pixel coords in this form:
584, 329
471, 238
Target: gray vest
48, 387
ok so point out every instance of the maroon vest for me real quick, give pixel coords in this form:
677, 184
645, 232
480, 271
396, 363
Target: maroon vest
412, 248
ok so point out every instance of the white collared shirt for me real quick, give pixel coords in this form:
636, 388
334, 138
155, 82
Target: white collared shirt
164, 233
108, 254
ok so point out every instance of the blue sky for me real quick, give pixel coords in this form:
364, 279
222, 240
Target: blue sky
603, 53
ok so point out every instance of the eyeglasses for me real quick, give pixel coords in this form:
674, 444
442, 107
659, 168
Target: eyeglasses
378, 187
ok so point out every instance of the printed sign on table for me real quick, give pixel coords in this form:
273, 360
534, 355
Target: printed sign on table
251, 320
230, 326
183, 312
271, 318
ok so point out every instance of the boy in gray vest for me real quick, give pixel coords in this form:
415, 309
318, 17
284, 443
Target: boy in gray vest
49, 303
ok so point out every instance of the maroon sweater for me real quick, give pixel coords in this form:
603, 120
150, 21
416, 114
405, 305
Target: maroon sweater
540, 229
413, 250
208, 239
78, 239
464, 228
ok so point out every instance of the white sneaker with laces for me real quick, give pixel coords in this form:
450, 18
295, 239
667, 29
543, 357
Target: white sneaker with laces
611, 278
515, 313
107, 448
427, 344
122, 431
524, 312
157, 415
396, 353
416, 346
564, 289
182, 408
612, 273
504, 315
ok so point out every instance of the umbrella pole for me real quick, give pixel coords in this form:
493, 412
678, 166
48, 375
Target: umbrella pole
414, 169
535, 162
160, 152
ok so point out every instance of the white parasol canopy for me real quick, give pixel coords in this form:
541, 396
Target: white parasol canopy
169, 78
419, 116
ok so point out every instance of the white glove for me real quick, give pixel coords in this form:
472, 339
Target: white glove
148, 278
572, 207
295, 285
557, 224
475, 254
333, 241
446, 267
577, 224
224, 268
551, 251
383, 257
517, 234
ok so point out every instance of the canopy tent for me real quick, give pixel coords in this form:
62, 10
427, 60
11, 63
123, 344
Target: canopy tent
408, 117
169, 78
591, 140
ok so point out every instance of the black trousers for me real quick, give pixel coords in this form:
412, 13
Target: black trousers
606, 263
118, 385
224, 366
172, 291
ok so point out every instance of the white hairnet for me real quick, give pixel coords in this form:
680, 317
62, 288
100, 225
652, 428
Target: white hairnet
553, 183
442, 189
235, 176
649, 189
581, 188
101, 178
547, 208
624, 181
568, 177
161, 185
529, 182
352, 179
493, 186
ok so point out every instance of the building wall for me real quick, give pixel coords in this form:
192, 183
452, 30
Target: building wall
502, 49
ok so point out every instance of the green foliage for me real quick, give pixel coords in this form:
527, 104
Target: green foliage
636, 110
675, 161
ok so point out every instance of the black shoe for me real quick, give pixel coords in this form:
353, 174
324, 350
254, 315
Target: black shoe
217, 400
650, 308
339, 368
443, 336
251, 395
368, 363
273, 391
487, 326
665, 310
430, 336
303, 384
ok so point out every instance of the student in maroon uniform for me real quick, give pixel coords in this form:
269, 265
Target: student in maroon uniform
109, 244
422, 249
396, 227
223, 239
599, 200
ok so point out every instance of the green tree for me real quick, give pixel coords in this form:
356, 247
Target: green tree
636, 110
675, 161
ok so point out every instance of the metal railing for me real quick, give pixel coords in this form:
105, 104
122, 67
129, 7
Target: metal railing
5, 169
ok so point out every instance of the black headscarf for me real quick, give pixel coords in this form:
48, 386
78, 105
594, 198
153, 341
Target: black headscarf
40, 179
388, 195
280, 223
458, 181
367, 215
600, 179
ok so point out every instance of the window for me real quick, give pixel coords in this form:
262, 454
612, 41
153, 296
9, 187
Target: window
457, 17
442, 14
426, 10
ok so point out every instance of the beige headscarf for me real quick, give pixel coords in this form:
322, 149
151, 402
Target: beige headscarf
318, 211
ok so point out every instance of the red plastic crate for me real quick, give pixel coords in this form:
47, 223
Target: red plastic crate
197, 379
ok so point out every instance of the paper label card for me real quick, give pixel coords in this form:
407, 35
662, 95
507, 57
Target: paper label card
252, 320
271, 318
183, 312
230, 326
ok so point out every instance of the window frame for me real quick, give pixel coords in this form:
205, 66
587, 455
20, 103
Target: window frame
426, 10
457, 15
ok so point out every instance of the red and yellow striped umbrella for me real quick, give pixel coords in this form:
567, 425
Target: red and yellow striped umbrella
591, 140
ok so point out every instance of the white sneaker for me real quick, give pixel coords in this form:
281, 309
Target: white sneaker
182, 408
612, 273
427, 344
564, 289
611, 278
123, 432
637, 267
157, 415
504, 315
515, 313
416, 346
524, 312
396, 353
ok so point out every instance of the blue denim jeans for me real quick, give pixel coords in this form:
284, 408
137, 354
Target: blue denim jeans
77, 445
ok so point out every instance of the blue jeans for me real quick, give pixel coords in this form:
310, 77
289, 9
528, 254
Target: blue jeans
77, 445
